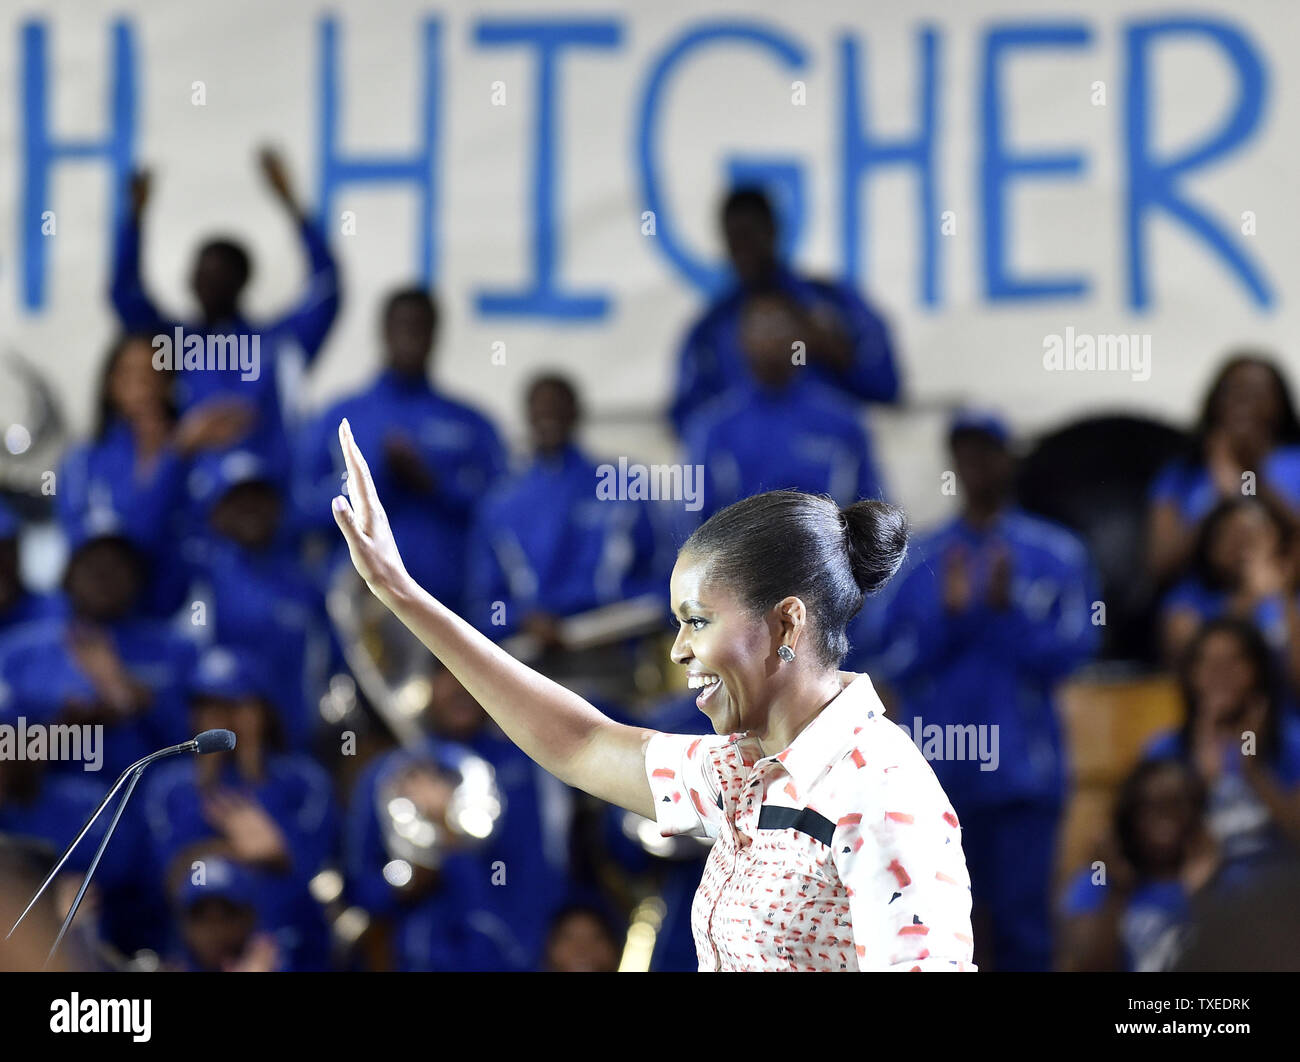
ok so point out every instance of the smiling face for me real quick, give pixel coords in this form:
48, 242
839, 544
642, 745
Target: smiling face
728, 653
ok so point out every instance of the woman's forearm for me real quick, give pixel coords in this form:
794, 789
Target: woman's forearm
551, 724
556, 728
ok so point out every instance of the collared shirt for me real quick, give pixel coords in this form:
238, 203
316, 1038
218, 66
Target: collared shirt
840, 853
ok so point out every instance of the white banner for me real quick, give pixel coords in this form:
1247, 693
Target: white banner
997, 175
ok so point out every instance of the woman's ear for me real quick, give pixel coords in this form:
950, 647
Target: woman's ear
791, 621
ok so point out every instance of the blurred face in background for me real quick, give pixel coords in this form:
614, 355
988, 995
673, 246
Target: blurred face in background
1248, 406
984, 467
751, 243
217, 931
136, 390
452, 713
103, 580
248, 514
580, 943
246, 716
1224, 682
1242, 534
217, 282
769, 328
1165, 818
552, 417
409, 328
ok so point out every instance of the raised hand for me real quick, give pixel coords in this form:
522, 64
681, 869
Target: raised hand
277, 176
999, 588
253, 835
958, 582
216, 424
365, 524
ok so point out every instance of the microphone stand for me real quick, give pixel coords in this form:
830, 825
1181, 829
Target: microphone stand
208, 741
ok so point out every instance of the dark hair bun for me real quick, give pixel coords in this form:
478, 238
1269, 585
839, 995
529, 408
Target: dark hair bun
877, 538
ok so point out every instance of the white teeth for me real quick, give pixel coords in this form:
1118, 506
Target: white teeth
696, 682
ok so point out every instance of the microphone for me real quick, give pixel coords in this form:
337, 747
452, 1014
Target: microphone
202, 744
214, 741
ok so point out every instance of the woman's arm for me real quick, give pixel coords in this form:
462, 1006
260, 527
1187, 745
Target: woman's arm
558, 729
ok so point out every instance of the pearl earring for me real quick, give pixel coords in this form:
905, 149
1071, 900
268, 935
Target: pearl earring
785, 653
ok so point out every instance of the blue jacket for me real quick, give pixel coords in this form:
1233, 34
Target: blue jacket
711, 359
29, 608
987, 666
266, 603
804, 437
152, 508
296, 793
458, 445
42, 675
544, 542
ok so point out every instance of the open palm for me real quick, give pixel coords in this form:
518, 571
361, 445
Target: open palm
365, 524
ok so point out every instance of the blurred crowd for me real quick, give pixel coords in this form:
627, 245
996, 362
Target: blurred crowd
201, 549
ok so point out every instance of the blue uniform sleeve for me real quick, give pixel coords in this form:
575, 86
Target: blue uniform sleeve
1287, 764
134, 307
1081, 896
317, 476
310, 321
460, 489
1169, 484
486, 580
873, 375
869, 484
697, 374
642, 576
72, 497
911, 631
313, 822
1054, 641
364, 856
701, 452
